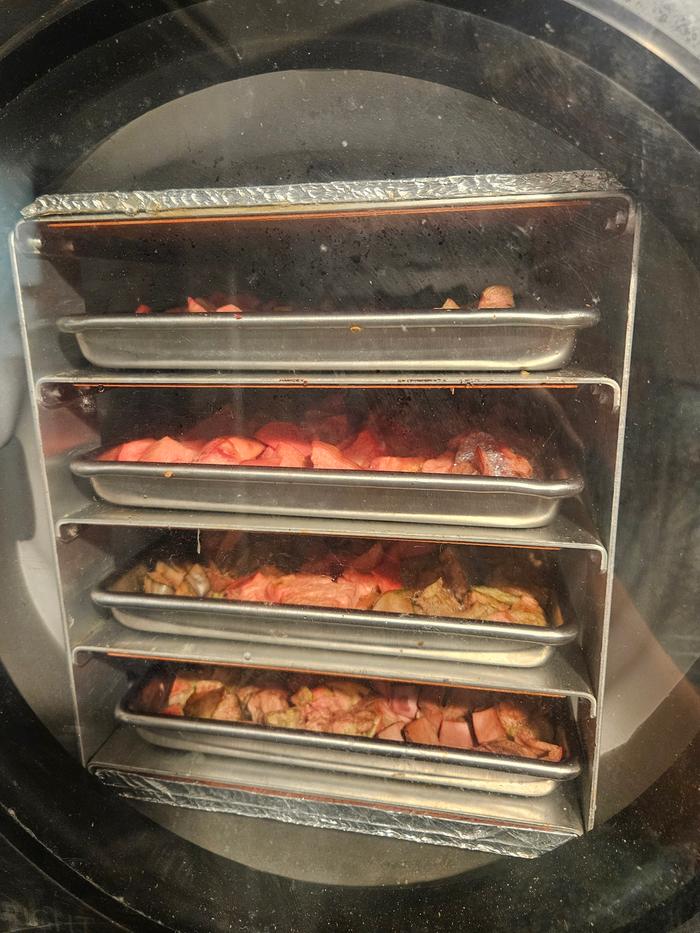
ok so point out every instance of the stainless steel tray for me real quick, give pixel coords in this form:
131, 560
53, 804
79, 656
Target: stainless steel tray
497, 339
424, 498
469, 770
495, 643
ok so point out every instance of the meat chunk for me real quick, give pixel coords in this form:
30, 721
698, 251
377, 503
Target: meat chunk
251, 589
203, 702
132, 450
497, 296
397, 464
268, 458
327, 457
394, 601
487, 726
394, 732
291, 456
167, 450
228, 708
506, 747
421, 731
260, 703
230, 450
284, 432
199, 306
456, 733
366, 447
311, 589
441, 464
404, 700
430, 704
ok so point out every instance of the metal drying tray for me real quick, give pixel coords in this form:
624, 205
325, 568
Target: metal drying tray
429, 637
359, 494
469, 770
497, 340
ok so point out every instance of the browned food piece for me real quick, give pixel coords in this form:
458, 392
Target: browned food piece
456, 733
431, 704
421, 731
437, 600
488, 726
201, 705
449, 305
394, 732
506, 747
261, 702
453, 573
404, 700
457, 704
529, 729
394, 601
285, 719
504, 605
355, 722
228, 708
497, 296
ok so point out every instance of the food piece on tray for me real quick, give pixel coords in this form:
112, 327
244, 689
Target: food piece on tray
167, 450
438, 600
275, 433
365, 448
394, 732
442, 464
529, 730
131, 450
397, 464
493, 296
487, 725
422, 732
328, 457
353, 576
456, 733
397, 712
431, 703
398, 439
230, 450
497, 296
307, 589
199, 306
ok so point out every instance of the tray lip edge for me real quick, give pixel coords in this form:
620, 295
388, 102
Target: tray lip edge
85, 465
560, 319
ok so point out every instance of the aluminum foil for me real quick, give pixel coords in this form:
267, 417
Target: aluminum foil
406, 825
318, 193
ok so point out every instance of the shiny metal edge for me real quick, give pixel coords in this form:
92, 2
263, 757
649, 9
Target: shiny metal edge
284, 742
86, 465
565, 674
615, 505
495, 317
132, 203
271, 379
563, 532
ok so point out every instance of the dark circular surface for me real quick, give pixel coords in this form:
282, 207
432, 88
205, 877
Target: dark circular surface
69, 86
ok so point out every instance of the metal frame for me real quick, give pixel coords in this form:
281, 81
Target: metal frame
103, 204
142, 767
